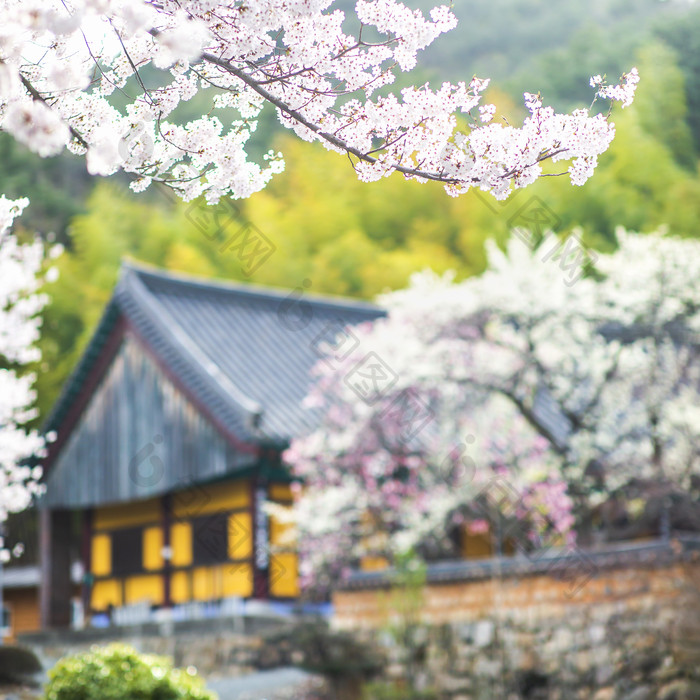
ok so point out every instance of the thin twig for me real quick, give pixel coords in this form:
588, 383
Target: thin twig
39, 98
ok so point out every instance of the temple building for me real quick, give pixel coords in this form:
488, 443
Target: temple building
168, 438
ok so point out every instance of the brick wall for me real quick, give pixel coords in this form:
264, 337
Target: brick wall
631, 629
534, 598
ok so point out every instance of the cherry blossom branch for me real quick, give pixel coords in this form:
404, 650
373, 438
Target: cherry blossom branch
297, 58
340, 143
37, 97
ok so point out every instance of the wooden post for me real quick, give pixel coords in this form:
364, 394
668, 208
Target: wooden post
86, 556
166, 502
56, 586
261, 539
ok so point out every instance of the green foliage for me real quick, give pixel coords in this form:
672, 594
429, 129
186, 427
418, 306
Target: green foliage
522, 45
351, 238
499, 39
404, 604
665, 118
562, 75
648, 178
682, 34
409, 578
56, 187
118, 672
345, 236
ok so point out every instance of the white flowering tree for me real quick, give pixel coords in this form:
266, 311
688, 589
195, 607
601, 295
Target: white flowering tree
564, 394
61, 60
20, 304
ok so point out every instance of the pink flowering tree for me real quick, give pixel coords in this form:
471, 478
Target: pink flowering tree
513, 388
20, 303
62, 60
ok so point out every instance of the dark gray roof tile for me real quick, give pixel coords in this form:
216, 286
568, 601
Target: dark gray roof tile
244, 352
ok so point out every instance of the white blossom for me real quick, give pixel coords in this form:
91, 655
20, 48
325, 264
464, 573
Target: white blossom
515, 375
20, 303
295, 54
36, 125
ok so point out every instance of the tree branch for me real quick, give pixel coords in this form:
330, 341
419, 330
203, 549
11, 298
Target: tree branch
334, 140
36, 95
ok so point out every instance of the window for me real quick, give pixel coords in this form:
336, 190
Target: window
5, 621
210, 539
127, 551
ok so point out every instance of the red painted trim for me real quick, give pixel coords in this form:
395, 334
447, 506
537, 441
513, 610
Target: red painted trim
204, 410
99, 368
109, 350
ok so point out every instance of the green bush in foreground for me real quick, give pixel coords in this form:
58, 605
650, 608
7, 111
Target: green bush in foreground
119, 672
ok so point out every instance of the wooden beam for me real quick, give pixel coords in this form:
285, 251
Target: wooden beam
56, 587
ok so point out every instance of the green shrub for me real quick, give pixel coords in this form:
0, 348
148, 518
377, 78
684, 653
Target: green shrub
17, 664
119, 672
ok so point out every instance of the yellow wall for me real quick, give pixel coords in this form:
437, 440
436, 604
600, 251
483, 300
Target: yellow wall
281, 533
284, 575
213, 582
213, 498
181, 543
240, 536
105, 593
373, 563
204, 583
101, 555
144, 588
24, 610
476, 546
280, 492
237, 580
180, 587
186, 583
127, 515
284, 562
153, 548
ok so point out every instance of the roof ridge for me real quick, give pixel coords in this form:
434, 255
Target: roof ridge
245, 288
176, 334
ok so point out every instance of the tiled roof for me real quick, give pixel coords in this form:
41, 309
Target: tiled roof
565, 563
245, 352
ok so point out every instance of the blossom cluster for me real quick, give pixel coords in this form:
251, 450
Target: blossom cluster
512, 381
62, 60
624, 92
20, 304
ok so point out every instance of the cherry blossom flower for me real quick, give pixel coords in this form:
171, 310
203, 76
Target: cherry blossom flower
60, 60
20, 303
624, 92
512, 381
36, 125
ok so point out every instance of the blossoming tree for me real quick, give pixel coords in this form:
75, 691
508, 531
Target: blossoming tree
61, 60
555, 395
20, 303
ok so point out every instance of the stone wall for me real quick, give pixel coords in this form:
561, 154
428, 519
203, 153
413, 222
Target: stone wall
231, 646
225, 648
495, 630
632, 632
